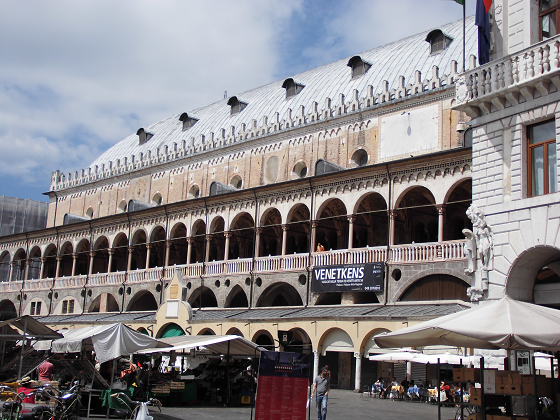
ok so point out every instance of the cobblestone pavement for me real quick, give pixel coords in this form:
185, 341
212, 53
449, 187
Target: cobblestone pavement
343, 405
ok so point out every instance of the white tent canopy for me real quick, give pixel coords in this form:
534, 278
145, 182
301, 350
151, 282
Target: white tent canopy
109, 341
220, 344
504, 323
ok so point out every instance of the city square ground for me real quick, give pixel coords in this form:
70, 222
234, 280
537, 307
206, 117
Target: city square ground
343, 405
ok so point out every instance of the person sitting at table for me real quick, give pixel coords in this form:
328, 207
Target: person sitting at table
25, 387
395, 391
446, 391
378, 388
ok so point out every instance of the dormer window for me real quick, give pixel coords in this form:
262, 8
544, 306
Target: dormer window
359, 67
236, 105
188, 122
438, 41
292, 87
143, 135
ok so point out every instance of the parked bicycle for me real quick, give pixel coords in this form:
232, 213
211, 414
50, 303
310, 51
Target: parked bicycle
136, 410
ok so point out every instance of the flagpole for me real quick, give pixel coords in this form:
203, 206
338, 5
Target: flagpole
464, 8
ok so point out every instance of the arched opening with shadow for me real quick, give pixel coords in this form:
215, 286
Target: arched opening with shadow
416, 217
82, 262
18, 265
371, 222
105, 302
298, 230
198, 250
436, 287
271, 234
332, 226
203, 297
101, 258
329, 299
237, 298
264, 339
49, 263
7, 310
5, 266
234, 331
66, 261
300, 342
170, 330
35, 266
455, 219
207, 331
157, 250
143, 301
120, 253
138, 256
242, 231
218, 239
179, 245
280, 294
365, 297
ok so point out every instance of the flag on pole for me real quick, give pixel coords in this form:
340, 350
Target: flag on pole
483, 23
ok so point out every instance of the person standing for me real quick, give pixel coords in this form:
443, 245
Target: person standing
322, 385
45, 371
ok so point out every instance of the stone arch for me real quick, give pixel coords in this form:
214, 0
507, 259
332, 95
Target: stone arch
329, 299
218, 239
336, 339
198, 235
280, 294
179, 245
242, 229
237, 298
138, 241
170, 329
66, 260
405, 283
436, 287
19, 261
301, 341
457, 200
265, 339
5, 260
416, 216
206, 331
104, 302
101, 258
234, 331
36, 307
35, 266
271, 233
7, 310
203, 297
157, 243
371, 221
332, 225
120, 253
49, 263
298, 225
367, 344
143, 300
525, 269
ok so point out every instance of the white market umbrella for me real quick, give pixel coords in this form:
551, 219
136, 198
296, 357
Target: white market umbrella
398, 356
444, 358
505, 323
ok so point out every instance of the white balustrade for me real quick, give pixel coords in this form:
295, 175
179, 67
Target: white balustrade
239, 266
214, 268
296, 261
270, 263
70, 282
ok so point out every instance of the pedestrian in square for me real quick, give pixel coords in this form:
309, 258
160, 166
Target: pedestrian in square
322, 385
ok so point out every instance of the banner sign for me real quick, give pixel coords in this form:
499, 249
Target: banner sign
349, 278
282, 388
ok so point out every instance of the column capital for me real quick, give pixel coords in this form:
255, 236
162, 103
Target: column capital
351, 218
168, 243
111, 251
130, 249
441, 208
43, 259
75, 256
358, 355
227, 234
392, 214
190, 240
148, 245
13, 263
59, 257
314, 223
29, 261
258, 230
208, 238
285, 227
92, 254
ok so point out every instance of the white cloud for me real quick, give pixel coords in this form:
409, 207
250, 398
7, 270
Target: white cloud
77, 77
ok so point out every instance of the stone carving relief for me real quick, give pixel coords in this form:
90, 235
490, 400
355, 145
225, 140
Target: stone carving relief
479, 250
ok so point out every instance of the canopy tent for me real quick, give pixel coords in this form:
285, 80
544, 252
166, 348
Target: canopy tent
29, 328
404, 355
220, 344
504, 323
109, 341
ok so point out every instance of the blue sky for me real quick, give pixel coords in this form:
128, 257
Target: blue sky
77, 77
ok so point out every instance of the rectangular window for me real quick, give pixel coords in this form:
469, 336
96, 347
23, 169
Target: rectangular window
38, 308
32, 308
549, 17
71, 306
541, 142
64, 306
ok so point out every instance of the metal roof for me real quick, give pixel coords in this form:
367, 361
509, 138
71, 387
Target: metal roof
99, 317
400, 58
336, 311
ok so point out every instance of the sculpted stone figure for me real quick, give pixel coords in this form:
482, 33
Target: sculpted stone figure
479, 250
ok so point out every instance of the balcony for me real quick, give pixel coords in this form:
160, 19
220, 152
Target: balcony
406, 254
508, 81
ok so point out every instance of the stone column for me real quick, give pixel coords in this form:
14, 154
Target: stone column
27, 264
168, 244
148, 249
315, 364
74, 259
207, 256
189, 249
42, 269
392, 217
441, 214
314, 225
226, 247
351, 220
91, 256
408, 371
285, 229
111, 252
58, 261
129, 262
358, 375
12, 265
258, 232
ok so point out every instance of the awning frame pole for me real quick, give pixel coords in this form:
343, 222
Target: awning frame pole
22, 347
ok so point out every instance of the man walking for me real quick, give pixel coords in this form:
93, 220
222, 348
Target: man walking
322, 384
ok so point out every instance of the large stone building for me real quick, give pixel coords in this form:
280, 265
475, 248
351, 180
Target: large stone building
364, 158
513, 101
